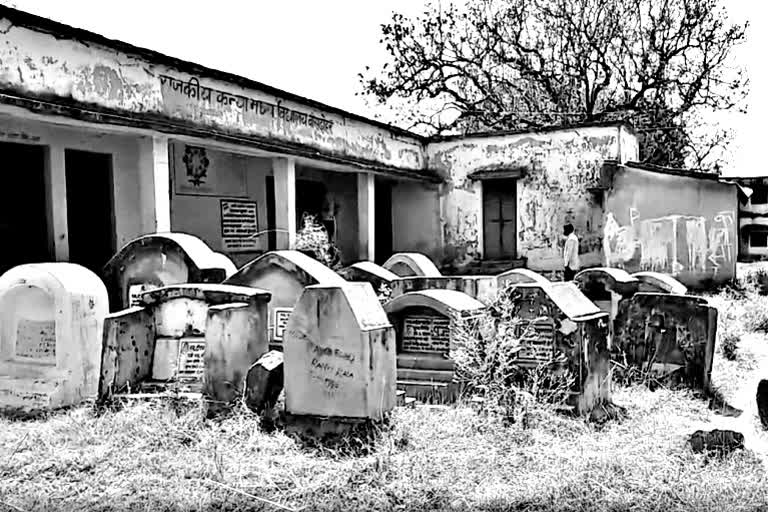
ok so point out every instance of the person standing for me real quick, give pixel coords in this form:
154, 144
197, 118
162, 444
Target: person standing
570, 252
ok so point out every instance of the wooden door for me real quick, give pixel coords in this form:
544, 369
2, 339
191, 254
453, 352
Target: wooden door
500, 219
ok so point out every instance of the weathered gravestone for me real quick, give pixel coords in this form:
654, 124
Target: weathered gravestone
556, 324
407, 264
426, 325
520, 276
51, 320
198, 336
607, 287
264, 382
655, 282
482, 288
668, 336
284, 274
762, 402
369, 272
339, 360
158, 260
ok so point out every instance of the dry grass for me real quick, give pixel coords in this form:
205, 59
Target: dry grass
164, 456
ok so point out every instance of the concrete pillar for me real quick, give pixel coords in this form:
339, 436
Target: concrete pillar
366, 215
155, 184
284, 170
56, 193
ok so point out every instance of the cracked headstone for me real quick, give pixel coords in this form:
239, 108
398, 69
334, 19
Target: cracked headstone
264, 382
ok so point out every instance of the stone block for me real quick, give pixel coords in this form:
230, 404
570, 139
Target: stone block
235, 338
408, 264
264, 382
51, 322
339, 354
369, 272
128, 350
606, 287
426, 327
661, 333
158, 260
284, 274
558, 324
716, 442
655, 282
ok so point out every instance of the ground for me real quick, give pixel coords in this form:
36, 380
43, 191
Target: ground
165, 456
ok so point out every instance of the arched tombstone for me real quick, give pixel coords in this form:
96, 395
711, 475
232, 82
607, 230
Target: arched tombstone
655, 282
607, 287
425, 322
482, 288
671, 337
51, 321
406, 264
195, 336
369, 272
557, 324
520, 276
339, 354
284, 274
161, 259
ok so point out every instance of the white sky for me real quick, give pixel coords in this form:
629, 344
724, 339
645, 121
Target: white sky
316, 48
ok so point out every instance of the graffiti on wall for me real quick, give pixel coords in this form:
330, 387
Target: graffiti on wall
671, 244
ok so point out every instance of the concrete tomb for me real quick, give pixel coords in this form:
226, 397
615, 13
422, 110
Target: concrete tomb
607, 287
655, 282
369, 272
559, 325
51, 321
339, 358
264, 382
407, 264
665, 334
200, 336
158, 260
284, 274
425, 322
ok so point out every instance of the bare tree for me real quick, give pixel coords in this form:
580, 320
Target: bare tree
525, 64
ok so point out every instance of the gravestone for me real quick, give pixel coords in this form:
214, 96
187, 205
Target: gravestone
339, 358
158, 260
607, 287
264, 382
51, 321
202, 337
284, 274
558, 325
762, 402
482, 288
407, 264
668, 336
520, 276
655, 282
369, 272
425, 322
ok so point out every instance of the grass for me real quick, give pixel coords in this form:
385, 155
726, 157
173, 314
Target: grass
166, 456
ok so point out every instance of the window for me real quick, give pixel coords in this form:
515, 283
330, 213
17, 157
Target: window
758, 239
759, 195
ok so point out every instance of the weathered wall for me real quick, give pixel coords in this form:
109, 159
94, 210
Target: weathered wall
37, 64
229, 177
676, 225
560, 167
416, 219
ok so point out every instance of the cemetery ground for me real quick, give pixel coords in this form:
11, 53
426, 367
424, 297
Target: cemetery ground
164, 455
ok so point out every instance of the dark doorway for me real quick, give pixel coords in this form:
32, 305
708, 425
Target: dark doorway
90, 208
310, 196
383, 221
271, 221
23, 210
500, 219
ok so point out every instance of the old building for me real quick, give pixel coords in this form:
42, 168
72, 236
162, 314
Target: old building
102, 141
753, 219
